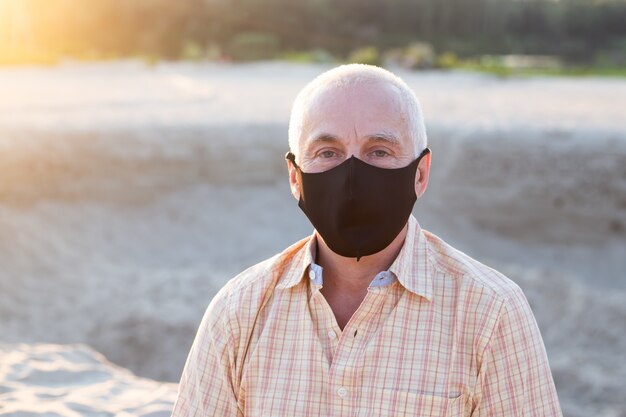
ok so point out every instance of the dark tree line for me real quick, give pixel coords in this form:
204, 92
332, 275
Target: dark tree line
572, 29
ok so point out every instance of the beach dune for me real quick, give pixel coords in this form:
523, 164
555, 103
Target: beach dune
129, 195
75, 380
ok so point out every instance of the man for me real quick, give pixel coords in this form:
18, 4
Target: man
371, 315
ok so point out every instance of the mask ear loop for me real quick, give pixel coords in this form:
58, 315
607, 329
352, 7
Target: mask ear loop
291, 157
425, 152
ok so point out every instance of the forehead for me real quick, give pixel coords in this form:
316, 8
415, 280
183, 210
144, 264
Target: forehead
366, 95
364, 108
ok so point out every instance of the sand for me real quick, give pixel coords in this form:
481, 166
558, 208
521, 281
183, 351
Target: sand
75, 380
129, 195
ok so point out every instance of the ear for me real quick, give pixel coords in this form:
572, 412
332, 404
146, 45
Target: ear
422, 175
293, 180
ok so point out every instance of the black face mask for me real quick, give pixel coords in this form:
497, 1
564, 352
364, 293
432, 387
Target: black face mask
358, 208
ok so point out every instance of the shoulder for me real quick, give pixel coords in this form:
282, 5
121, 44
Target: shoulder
240, 299
484, 297
471, 273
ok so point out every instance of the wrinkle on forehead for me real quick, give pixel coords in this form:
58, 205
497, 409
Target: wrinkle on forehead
383, 136
333, 98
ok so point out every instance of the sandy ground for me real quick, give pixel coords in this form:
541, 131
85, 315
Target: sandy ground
73, 381
129, 195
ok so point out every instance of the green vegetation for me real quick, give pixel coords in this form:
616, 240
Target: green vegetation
582, 36
366, 55
252, 46
309, 57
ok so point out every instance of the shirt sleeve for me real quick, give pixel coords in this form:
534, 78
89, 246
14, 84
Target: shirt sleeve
515, 378
207, 386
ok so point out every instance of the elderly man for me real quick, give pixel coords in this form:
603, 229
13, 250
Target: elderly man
371, 315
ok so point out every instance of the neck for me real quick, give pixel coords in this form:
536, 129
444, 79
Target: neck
347, 274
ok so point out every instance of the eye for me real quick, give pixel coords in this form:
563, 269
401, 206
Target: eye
379, 153
327, 154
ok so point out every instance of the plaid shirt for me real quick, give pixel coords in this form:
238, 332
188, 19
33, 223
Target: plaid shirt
445, 335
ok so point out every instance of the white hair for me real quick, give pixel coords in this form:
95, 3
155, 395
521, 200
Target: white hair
358, 74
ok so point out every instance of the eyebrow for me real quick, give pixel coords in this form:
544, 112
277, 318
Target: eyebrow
323, 137
386, 137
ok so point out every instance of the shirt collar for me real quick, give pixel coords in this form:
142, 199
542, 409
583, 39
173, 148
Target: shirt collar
382, 279
411, 266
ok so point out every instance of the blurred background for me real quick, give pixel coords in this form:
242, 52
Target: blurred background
142, 166
571, 36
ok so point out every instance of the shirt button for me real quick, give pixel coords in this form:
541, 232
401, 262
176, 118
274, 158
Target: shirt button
312, 274
332, 334
342, 392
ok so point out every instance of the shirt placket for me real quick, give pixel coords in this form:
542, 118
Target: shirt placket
342, 391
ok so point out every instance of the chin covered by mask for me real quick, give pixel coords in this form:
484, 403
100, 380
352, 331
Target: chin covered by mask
357, 208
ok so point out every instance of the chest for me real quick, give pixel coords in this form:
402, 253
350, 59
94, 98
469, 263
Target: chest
343, 306
392, 358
